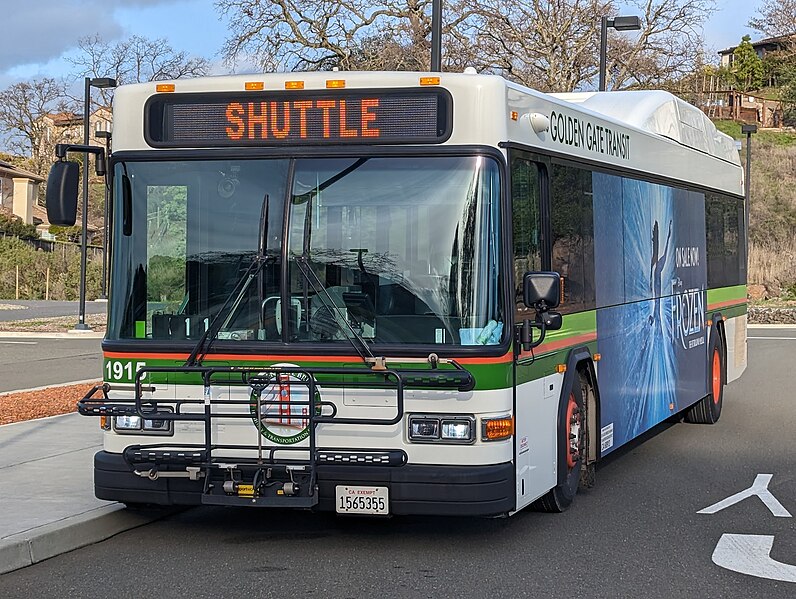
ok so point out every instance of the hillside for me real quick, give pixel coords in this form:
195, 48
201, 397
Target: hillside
772, 217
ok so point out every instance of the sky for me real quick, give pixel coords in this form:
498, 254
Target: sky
37, 35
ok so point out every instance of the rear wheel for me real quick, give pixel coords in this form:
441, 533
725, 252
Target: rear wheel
572, 436
708, 410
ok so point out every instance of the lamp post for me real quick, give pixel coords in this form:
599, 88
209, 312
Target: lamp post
620, 24
99, 83
748, 130
106, 135
436, 35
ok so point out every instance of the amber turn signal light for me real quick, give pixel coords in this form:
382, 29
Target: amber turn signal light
497, 429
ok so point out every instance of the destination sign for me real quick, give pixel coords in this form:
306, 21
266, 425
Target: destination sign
298, 118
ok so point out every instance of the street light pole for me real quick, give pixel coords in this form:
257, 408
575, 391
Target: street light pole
603, 51
100, 83
436, 36
81, 319
106, 135
748, 130
620, 24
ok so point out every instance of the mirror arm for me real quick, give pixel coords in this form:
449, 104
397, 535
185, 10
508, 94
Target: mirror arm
62, 149
526, 338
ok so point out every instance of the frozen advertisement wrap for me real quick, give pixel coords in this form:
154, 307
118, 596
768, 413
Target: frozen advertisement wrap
651, 316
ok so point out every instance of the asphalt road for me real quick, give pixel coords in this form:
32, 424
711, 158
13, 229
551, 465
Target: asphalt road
27, 362
636, 534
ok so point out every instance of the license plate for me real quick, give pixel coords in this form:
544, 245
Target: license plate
362, 500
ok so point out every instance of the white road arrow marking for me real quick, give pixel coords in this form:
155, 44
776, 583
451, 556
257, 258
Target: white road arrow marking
759, 488
750, 554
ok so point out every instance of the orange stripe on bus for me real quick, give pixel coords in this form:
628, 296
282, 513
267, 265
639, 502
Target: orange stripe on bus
551, 346
280, 358
727, 303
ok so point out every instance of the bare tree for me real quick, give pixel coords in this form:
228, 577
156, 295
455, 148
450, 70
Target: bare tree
349, 34
134, 60
775, 17
27, 110
552, 45
668, 47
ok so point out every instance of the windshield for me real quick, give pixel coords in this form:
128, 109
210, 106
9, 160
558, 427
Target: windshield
395, 250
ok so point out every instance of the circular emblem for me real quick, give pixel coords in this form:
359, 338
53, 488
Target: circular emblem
280, 404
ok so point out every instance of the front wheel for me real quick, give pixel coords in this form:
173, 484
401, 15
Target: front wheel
572, 435
708, 409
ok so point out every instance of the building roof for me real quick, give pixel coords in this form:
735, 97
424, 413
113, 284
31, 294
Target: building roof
769, 41
9, 170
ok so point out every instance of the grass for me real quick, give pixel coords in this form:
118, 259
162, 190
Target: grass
774, 138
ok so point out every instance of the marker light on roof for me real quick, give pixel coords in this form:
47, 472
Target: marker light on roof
539, 122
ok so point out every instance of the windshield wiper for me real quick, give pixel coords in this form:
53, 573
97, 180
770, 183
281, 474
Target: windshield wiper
216, 324
238, 293
334, 310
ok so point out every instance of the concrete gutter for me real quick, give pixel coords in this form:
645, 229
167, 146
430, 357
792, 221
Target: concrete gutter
36, 335
47, 491
41, 543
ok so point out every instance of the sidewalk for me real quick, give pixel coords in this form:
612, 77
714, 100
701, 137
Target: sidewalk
47, 503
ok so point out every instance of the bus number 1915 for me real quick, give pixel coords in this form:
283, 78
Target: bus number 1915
122, 371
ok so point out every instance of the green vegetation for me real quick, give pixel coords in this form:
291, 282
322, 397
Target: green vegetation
747, 67
14, 227
774, 138
33, 265
71, 234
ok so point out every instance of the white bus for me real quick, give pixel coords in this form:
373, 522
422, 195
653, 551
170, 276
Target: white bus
405, 293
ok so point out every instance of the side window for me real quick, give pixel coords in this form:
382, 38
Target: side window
572, 224
526, 223
724, 221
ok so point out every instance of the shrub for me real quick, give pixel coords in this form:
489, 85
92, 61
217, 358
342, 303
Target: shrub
12, 226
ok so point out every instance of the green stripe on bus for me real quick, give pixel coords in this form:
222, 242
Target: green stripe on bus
733, 311
487, 376
725, 294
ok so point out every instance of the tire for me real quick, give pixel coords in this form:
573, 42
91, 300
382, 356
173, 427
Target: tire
708, 409
560, 497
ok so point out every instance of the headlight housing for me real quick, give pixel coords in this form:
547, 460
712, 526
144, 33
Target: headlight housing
432, 428
149, 426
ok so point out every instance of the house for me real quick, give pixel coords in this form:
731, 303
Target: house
19, 190
761, 47
67, 127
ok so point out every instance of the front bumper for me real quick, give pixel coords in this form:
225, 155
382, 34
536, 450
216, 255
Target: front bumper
414, 489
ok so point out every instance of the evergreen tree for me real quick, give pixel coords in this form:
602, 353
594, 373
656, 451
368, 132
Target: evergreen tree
747, 68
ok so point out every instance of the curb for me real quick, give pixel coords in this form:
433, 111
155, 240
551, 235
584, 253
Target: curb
69, 335
41, 543
56, 385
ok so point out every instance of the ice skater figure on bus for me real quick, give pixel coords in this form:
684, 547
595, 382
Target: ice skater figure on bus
656, 270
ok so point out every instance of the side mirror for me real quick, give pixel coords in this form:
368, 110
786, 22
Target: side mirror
61, 196
541, 290
551, 320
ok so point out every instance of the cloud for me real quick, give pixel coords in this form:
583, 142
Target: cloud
38, 31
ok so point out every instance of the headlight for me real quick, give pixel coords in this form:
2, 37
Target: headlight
127, 423
423, 429
457, 429
149, 425
441, 429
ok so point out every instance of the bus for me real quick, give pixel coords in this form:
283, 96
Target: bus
391, 293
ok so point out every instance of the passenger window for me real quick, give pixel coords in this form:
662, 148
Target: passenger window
572, 224
525, 206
